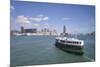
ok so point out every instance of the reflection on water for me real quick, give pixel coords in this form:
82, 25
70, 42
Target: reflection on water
33, 50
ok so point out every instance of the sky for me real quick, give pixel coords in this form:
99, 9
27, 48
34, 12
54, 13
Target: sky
76, 18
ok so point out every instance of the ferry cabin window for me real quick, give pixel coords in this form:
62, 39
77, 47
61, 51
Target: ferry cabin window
74, 42
63, 41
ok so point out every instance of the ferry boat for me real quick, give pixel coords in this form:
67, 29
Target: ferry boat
69, 44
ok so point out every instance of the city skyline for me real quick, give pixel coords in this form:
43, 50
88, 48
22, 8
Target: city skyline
76, 18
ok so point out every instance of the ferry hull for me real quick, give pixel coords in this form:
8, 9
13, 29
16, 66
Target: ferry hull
70, 48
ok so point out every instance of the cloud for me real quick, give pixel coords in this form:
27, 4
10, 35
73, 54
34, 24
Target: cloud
36, 25
12, 7
45, 18
27, 19
41, 15
38, 19
22, 19
35, 19
66, 18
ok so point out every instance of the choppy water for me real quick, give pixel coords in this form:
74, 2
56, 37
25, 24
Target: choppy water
36, 50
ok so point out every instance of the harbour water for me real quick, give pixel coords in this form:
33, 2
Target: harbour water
37, 50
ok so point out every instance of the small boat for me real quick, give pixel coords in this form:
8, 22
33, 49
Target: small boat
72, 45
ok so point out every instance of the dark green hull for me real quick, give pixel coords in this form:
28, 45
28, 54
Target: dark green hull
71, 49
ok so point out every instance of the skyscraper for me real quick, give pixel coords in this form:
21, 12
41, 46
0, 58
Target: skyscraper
64, 29
22, 29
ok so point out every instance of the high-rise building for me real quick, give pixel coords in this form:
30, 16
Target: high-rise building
64, 29
28, 30
22, 29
